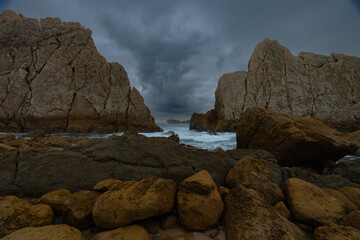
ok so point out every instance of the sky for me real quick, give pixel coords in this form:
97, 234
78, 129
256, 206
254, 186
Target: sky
175, 51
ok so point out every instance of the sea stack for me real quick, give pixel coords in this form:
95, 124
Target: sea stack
322, 87
53, 78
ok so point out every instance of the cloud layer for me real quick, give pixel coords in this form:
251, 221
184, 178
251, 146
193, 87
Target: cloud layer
175, 51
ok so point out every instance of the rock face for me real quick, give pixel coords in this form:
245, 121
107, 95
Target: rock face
335, 232
322, 87
134, 200
34, 172
293, 140
53, 78
199, 203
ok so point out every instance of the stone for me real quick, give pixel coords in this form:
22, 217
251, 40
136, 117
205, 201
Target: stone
134, 232
355, 137
54, 79
170, 221
55, 199
134, 200
8, 137
81, 140
106, 185
199, 203
210, 122
352, 219
322, 87
5, 148
353, 193
51, 232
17, 143
33, 172
348, 169
336, 232
312, 205
292, 140
248, 216
17, 214
36, 133
77, 209
55, 141
223, 191
256, 174
281, 208
347, 203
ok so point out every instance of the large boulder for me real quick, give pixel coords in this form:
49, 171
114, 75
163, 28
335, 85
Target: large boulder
249, 216
134, 200
256, 174
16, 214
53, 78
336, 232
78, 207
34, 172
199, 203
51, 232
312, 205
55, 199
323, 87
293, 140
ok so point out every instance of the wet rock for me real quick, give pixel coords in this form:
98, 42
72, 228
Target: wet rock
256, 174
292, 140
335, 232
134, 200
199, 203
51, 232
55, 199
312, 205
106, 185
77, 209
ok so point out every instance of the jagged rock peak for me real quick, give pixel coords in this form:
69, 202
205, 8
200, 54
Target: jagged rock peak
53, 78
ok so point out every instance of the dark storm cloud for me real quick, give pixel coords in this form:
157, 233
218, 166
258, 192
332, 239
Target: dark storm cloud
175, 51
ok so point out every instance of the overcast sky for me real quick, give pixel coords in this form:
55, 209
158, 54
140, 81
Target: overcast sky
175, 51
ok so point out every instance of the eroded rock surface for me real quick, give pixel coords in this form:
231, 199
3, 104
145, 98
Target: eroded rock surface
53, 78
322, 87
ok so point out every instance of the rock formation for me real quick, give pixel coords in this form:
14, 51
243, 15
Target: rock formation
322, 87
53, 78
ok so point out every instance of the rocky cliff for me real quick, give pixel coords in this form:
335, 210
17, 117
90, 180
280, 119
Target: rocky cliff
53, 78
323, 87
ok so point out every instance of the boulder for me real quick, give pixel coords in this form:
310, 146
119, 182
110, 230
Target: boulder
33, 172
353, 193
106, 184
322, 87
352, 219
312, 205
347, 203
17, 214
336, 232
248, 216
210, 122
55, 199
58, 82
292, 140
281, 209
256, 174
134, 200
51, 232
78, 207
199, 203
347, 169
134, 232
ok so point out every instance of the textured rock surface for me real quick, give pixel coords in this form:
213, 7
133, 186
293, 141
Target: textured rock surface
347, 203
256, 174
134, 200
248, 216
34, 172
199, 203
353, 193
53, 78
55, 199
323, 87
51, 232
312, 205
336, 232
134, 232
106, 184
293, 140
348, 169
352, 220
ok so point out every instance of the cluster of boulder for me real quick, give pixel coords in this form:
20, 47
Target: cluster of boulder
53, 78
322, 87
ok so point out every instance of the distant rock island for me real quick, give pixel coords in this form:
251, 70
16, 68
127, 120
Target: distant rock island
322, 87
173, 121
53, 78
